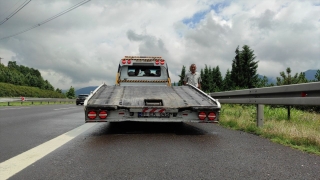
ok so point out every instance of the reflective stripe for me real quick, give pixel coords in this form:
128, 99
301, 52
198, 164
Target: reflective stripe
152, 110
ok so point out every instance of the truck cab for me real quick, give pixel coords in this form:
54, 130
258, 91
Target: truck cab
143, 71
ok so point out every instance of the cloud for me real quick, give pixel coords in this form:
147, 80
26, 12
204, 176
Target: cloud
84, 46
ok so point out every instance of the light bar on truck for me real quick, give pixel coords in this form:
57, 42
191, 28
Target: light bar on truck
129, 60
144, 57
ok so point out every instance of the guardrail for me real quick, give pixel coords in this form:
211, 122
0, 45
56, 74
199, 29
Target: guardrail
296, 94
32, 100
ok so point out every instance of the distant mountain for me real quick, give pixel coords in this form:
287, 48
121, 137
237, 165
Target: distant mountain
310, 74
270, 79
85, 90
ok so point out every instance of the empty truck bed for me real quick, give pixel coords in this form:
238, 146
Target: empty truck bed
114, 97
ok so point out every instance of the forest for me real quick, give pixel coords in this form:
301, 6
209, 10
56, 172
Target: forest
18, 80
243, 75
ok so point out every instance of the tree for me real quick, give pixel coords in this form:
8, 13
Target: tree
227, 82
48, 86
244, 68
205, 79
317, 76
35, 72
302, 78
286, 79
71, 93
236, 71
59, 90
12, 65
262, 82
210, 79
182, 75
217, 81
2, 73
249, 68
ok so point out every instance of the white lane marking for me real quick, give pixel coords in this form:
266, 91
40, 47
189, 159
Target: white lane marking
13, 108
64, 108
14, 165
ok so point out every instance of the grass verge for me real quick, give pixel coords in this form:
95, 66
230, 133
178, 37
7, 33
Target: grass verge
302, 131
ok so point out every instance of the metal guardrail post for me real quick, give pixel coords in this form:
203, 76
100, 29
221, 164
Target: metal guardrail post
260, 115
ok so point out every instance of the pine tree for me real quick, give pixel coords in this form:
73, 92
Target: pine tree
236, 71
216, 80
286, 79
205, 79
210, 80
249, 68
263, 82
302, 78
227, 82
244, 68
182, 75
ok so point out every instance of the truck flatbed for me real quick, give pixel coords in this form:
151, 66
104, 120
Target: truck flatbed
180, 97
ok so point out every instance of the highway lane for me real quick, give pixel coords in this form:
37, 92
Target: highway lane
24, 127
162, 151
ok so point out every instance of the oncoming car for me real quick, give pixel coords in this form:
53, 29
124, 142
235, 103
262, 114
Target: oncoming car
80, 99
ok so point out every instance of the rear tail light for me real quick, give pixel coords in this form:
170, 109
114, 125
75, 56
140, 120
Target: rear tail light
92, 115
202, 115
126, 61
212, 116
162, 62
103, 114
157, 62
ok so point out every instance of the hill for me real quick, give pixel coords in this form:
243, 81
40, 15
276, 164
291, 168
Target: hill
310, 75
85, 90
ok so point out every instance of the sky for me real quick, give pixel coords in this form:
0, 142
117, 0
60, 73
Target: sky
84, 46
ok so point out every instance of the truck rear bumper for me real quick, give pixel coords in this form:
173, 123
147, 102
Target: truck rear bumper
151, 120
125, 115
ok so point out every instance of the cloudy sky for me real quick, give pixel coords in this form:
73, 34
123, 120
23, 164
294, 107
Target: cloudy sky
84, 46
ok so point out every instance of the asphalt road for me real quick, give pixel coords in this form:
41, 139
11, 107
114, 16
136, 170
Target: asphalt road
130, 150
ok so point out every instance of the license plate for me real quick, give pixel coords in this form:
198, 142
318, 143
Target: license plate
153, 115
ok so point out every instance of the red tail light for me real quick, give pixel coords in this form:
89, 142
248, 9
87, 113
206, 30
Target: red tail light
157, 62
129, 61
212, 116
202, 115
103, 115
162, 62
92, 115
123, 61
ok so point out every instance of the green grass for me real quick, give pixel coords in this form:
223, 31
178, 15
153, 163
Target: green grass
302, 131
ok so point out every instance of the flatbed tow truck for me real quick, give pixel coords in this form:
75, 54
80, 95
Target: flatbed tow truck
143, 92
